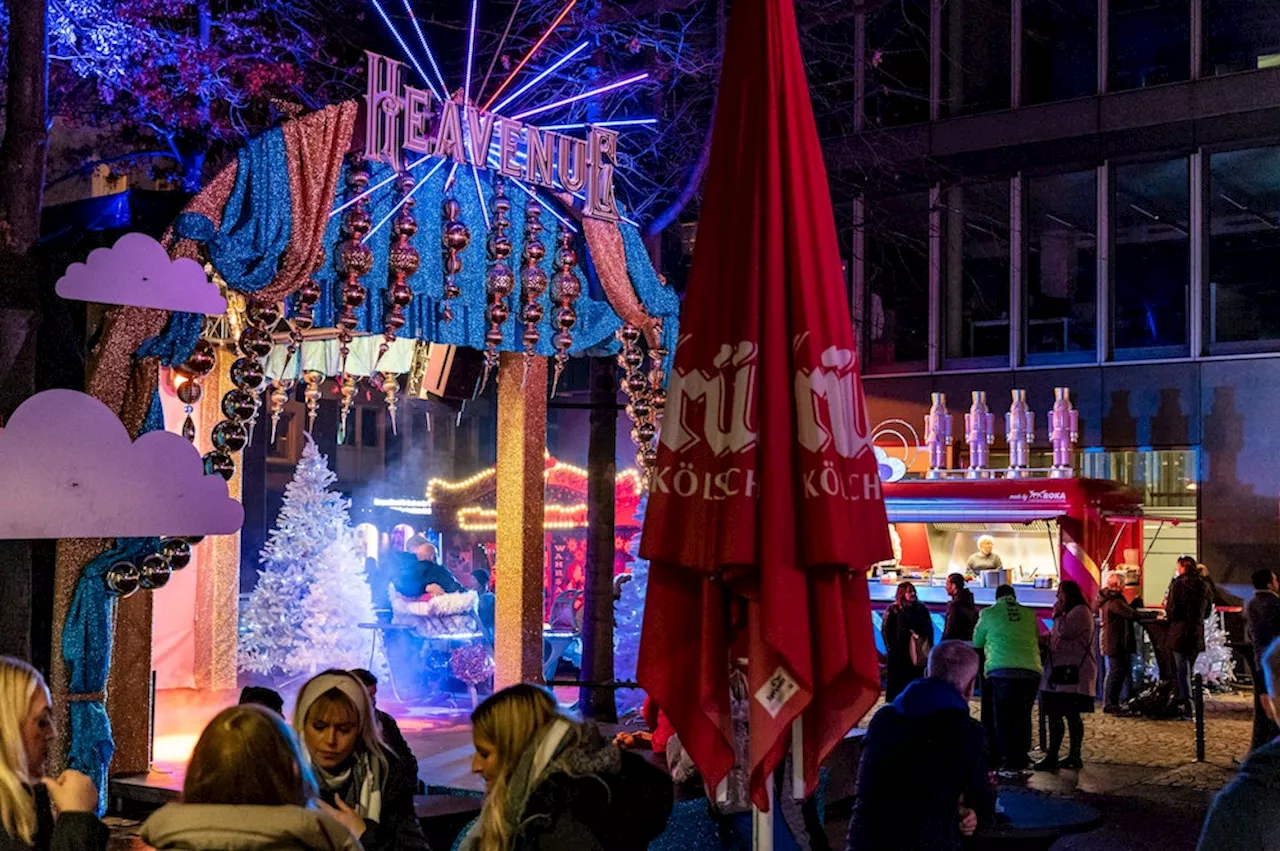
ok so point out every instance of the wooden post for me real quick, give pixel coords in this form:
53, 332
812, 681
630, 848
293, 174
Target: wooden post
520, 564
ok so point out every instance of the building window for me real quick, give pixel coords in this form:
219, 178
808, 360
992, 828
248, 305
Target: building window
1059, 50
1152, 258
1166, 477
975, 268
1241, 35
896, 271
1243, 246
976, 53
897, 71
1150, 43
1062, 266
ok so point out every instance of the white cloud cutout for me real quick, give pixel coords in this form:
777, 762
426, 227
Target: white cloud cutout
137, 271
70, 470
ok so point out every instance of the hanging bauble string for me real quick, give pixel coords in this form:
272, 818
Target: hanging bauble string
390, 390
565, 289
154, 572
219, 462
533, 282
304, 303
311, 395
348, 391
402, 262
229, 436
122, 578
247, 373
499, 280
281, 391
454, 238
355, 259
176, 551
187, 376
202, 359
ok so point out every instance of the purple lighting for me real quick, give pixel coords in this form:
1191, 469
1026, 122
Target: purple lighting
582, 125
635, 78
395, 32
431, 57
507, 101
471, 49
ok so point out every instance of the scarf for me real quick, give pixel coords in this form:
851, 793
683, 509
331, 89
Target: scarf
360, 786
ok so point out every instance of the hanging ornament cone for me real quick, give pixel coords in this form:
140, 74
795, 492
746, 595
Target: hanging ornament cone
454, 238
281, 391
533, 281
390, 389
311, 395
565, 289
402, 262
499, 280
348, 391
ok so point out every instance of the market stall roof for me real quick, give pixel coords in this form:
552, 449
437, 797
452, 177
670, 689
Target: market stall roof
1005, 500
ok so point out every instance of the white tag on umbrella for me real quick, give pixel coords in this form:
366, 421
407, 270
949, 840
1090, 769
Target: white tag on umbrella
776, 691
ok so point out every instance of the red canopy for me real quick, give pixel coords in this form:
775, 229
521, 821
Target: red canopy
763, 553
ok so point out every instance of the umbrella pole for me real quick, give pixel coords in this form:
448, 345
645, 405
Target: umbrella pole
797, 759
762, 823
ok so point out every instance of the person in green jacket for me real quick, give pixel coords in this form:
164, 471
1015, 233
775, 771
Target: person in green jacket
1009, 636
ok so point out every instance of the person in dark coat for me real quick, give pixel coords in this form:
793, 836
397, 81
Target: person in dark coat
1118, 642
27, 802
362, 782
962, 611
1063, 697
905, 623
552, 784
1243, 814
419, 570
1187, 607
923, 778
391, 735
1262, 623
264, 697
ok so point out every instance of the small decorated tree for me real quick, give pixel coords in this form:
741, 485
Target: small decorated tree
1216, 664
629, 618
312, 594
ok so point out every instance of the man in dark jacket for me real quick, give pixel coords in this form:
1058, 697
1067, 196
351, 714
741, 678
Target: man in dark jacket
391, 735
1242, 816
907, 796
1262, 618
418, 572
1187, 607
962, 612
1118, 641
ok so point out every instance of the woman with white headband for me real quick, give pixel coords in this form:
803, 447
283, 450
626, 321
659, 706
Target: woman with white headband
362, 783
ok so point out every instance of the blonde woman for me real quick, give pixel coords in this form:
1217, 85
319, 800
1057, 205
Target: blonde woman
27, 800
362, 783
552, 784
247, 787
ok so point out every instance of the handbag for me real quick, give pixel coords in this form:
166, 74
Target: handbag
920, 647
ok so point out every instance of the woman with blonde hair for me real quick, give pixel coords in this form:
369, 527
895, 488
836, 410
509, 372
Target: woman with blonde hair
552, 783
362, 783
27, 798
247, 787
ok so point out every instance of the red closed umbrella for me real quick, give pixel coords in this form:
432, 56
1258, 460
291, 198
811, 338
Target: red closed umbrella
765, 508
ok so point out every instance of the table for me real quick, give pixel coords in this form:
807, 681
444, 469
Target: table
1029, 821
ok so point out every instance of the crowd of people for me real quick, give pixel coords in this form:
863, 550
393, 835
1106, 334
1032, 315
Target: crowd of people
339, 776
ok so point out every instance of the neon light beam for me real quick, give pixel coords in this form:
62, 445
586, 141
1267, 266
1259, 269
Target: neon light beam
484, 208
401, 202
471, 49
507, 101
431, 57
373, 189
537, 45
582, 125
546, 206
407, 52
634, 78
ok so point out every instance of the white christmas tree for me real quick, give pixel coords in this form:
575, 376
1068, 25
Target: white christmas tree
304, 614
628, 618
1216, 664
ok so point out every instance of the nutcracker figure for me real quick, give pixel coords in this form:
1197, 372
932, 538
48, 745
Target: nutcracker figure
1064, 432
1019, 430
937, 435
979, 433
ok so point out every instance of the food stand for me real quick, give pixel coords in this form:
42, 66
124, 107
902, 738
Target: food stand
1045, 531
